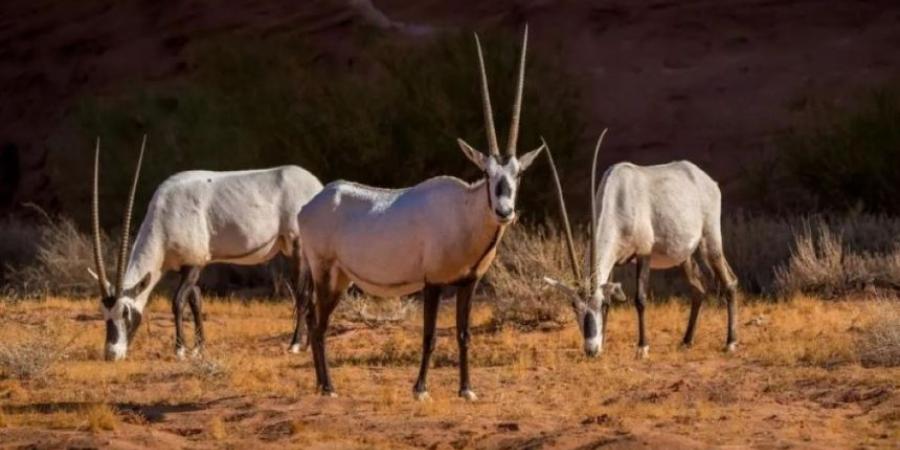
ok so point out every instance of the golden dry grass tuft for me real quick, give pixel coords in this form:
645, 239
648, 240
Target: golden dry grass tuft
100, 417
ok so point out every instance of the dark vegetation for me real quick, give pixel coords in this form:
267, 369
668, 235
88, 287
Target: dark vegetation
838, 159
390, 120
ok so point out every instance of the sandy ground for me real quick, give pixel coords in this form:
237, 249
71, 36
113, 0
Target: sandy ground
795, 383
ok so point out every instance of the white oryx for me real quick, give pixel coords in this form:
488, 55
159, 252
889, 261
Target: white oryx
196, 218
658, 217
393, 242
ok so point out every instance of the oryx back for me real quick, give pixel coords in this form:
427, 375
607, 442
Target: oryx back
239, 217
394, 241
662, 210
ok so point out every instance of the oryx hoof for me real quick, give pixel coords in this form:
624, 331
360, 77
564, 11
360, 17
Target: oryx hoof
731, 347
197, 352
295, 348
468, 395
422, 396
180, 353
643, 352
686, 345
327, 393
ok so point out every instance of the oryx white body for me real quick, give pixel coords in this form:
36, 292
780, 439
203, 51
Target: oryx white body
200, 217
663, 211
392, 242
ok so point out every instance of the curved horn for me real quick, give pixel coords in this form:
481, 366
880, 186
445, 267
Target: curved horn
517, 104
593, 244
486, 100
570, 243
126, 224
95, 221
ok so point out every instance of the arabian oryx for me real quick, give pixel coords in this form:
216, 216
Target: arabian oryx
196, 218
658, 217
394, 242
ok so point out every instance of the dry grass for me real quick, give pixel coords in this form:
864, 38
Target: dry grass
796, 358
100, 417
822, 263
879, 344
32, 357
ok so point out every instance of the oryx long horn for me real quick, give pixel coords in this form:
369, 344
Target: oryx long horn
95, 222
517, 103
570, 243
126, 224
593, 244
486, 100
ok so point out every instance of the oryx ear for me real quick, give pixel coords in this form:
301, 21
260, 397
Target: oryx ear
96, 277
613, 291
529, 157
140, 286
571, 293
475, 156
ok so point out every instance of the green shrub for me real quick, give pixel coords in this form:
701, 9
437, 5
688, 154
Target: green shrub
390, 119
838, 159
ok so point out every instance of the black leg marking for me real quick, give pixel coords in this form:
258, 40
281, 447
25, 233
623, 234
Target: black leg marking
301, 290
463, 309
432, 294
184, 288
698, 293
640, 298
196, 304
326, 301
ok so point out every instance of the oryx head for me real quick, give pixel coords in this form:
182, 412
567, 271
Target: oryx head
590, 299
502, 172
117, 303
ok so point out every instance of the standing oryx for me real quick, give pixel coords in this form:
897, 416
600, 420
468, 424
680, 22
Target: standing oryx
392, 242
659, 217
196, 218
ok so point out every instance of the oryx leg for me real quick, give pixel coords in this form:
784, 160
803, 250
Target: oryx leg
432, 294
328, 295
463, 310
196, 304
640, 299
301, 287
185, 288
698, 293
729, 282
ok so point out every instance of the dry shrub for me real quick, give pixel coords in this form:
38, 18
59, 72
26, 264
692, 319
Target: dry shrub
101, 417
879, 345
823, 264
33, 357
62, 257
207, 368
525, 256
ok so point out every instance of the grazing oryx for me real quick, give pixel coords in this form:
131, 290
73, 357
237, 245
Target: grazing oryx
658, 217
393, 242
196, 218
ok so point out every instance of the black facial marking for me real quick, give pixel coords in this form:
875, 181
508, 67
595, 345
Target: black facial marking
590, 326
134, 322
502, 189
112, 333
109, 302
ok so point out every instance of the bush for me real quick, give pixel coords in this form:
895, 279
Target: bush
390, 118
839, 159
34, 356
879, 344
62, 255
822, 264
